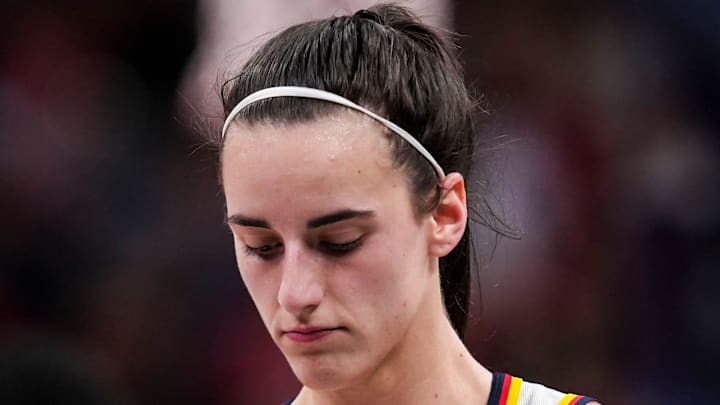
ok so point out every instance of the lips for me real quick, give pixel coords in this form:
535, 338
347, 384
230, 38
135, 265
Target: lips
310, 334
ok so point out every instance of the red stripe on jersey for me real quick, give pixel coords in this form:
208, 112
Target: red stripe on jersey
506, 389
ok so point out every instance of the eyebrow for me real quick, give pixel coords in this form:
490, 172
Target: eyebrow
338, 216
247, 221
328, 219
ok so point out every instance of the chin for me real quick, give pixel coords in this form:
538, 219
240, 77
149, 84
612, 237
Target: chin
322, 374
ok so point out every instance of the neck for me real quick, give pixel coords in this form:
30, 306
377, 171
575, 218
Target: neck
431, 366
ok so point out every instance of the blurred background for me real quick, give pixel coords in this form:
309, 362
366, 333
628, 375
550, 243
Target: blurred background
117, 276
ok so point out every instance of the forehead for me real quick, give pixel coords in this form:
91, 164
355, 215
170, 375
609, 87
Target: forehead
333, 161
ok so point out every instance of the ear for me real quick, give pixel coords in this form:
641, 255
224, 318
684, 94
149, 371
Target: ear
448, 220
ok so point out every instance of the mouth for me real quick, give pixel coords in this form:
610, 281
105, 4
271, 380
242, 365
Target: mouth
311, 334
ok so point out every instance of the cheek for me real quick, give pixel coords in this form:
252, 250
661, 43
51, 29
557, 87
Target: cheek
263, 292
383, 286
261, 283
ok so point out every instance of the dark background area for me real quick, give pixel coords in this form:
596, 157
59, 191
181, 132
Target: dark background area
117, 277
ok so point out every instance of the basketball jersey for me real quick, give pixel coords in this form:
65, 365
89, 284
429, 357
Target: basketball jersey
509, 390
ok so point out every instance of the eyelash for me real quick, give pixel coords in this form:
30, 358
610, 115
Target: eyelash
342, 248
264, 251
267, 252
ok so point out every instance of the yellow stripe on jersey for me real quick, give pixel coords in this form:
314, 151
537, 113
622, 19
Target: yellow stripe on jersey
567, 399
514, 392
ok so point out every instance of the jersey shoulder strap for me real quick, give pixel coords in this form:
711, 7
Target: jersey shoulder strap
510, 390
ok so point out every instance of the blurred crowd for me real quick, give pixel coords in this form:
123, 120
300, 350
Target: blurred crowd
117, 276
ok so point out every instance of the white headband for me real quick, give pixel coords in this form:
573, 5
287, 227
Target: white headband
292, 91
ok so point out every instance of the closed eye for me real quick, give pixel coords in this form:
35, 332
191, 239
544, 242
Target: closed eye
270, 251
265, 252
341, 248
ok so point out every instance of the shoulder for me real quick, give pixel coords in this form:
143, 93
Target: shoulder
510, 390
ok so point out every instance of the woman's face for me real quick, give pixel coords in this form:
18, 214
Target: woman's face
328, 244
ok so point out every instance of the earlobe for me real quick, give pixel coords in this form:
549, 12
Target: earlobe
449, 217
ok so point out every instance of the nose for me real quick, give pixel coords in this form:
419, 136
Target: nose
302, 288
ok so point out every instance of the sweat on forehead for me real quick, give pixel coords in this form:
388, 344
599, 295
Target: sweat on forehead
340, 127
339, 139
